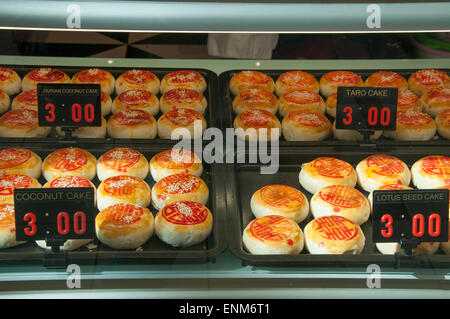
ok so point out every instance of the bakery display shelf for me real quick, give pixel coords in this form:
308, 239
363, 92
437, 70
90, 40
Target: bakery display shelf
221, 16
245, 179
228, 114
212, 112
154, 250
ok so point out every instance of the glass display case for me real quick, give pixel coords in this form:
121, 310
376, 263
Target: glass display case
221, 266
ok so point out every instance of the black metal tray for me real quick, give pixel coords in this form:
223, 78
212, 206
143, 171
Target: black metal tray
226, 98
154, 251
245, 179
212, 113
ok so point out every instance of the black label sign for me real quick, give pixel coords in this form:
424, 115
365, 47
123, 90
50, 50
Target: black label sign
366, 108
71, 105
407, 214
46, 213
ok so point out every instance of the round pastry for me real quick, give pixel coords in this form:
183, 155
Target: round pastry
296, 80
407, 100
420, 81
386, 79
256, 124
325, 171
424, 248
305, 125
175, 161
330, 81
443, 124
26, 100
122, 161
331, 103
341, 200
132, 124
245, 80
431, 172
255, 99
184, 123
301, 100
124, 226
334, 235
352, 135
183, 223
137, 80
10, 81
69, 161
280, 200
8, 226
183, 98
179, 187
22, 123
123, 189
380, 169
106, 103
20, 161
43, 75
87, 131
5, 101
10, 182
96, 76
413, 126
183, 79
66, 181
387, 187
273, 235
435, 101
136, 99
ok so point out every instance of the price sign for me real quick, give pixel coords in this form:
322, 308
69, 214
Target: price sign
46, 213
366, 108
70, 105
408, 214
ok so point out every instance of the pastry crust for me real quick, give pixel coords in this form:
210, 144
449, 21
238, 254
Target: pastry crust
10, 81
413, 126
175, 161
22, 123
257, 125
435, 101
10, 182
330, 81
407, 100
96, 76
280, 200
305, 125
43, 75
431, 172
245, 80
8, 226
255, 99
386, 79
137, 80
131, 124
301, 100
273, 235
122, 161
189, 123
422, 80
325, 171
136, 99
26, 100
20, 161
124, 226
183, 79
69, 161
183, 223
296, 80
183, 98
179, 187
334, 235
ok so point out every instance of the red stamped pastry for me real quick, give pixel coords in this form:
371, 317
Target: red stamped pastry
183, 117
28, 98
334, 228
343, 78
392, 187
436, 165
282, 196
67, 159
183, 77
185, 213
122, 214
132, 117
332, 167
120, 159
93, 75
386, 79
256, 118
13, 157
133, 97
5, 74
297, 79
342, 196
252, 77
175, 159
10, 182
121, 185
406, 98
272, 228
46, 75
7, 216
138, 77
308, 118
69, 181
179, 184
20, 118
431, 77
413, 118
302, 97
182, 95
385, 165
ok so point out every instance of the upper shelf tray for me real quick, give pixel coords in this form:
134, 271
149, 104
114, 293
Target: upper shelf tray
311, 16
